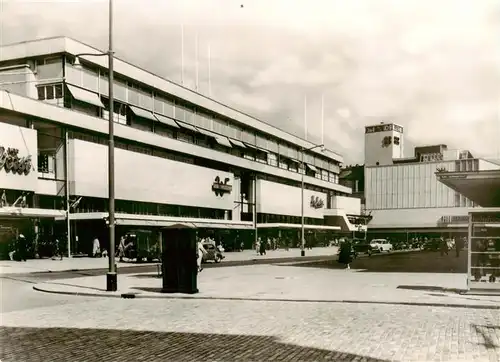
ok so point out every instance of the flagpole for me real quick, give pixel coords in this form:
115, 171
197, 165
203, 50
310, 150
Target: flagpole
209, 71
322, 119
182, 54
197, 65
305, 117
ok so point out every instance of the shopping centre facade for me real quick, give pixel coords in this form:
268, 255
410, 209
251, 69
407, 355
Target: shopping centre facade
180, 156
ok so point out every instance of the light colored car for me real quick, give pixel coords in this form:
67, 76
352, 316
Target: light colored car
213, 253
381, 245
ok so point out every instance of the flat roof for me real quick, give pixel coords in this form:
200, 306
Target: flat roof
62, 44
482, 187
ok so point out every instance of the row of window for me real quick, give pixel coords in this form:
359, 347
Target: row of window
131, 93
124, 116
92, 204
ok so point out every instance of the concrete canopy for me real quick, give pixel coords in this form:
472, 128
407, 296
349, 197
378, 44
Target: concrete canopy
482, 187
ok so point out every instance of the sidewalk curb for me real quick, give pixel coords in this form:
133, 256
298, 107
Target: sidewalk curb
131, 295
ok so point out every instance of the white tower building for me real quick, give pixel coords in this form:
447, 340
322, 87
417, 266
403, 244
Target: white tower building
383, 143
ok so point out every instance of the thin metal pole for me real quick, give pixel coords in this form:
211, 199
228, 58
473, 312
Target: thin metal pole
111, 279
182, 54
302, 226
322, 119
209, 70
68, 206
255, 210
469, 251
197, 63
305, 117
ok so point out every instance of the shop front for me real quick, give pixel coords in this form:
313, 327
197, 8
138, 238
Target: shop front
484, 250
483, 188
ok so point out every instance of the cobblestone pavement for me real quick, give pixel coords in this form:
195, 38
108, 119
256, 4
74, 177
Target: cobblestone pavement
209, 330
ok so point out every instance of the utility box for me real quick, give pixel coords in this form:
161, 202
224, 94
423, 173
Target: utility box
179, 267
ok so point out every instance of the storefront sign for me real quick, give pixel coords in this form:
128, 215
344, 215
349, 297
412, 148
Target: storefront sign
453, 219
316, 202
431, 157
221, 187
11, 162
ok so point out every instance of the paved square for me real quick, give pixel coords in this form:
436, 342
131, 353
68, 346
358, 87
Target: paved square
209, 330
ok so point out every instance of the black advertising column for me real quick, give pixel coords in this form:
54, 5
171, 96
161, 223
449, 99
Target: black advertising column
180, 270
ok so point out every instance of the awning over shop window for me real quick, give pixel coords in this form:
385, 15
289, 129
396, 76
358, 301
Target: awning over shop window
223, 226
139, 112
188, 127
85, 96
167, 121
223, 141
237, 143
311, 167
205, 132
255, 147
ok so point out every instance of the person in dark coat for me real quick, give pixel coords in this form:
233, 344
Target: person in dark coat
262, 247
345, 254
22, 247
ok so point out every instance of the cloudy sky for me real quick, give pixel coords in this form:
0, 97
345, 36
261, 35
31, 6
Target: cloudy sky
431, 66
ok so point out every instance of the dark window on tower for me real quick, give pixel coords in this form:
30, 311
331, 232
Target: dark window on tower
396, 140
50, 92
41, 93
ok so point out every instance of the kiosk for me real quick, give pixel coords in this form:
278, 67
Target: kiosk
484, 250
179, 267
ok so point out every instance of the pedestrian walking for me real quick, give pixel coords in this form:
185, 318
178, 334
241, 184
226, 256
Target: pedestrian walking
443, 246
96, 248
262, 247
121, 249
22, 247
345, 254
199, 257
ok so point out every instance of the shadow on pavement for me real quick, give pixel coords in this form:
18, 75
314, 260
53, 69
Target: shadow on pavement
71, 344
411, 262
486, 331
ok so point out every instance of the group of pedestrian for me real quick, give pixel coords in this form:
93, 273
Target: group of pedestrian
20, 248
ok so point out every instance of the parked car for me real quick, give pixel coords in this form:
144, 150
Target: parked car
213, 253
381, 245
361, 246
142, 244
432, 245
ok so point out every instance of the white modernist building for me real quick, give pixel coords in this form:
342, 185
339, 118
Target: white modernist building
180, 156
404, 194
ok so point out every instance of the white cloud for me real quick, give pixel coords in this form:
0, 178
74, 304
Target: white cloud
432, 66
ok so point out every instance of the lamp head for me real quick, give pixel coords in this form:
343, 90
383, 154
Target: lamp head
77, 63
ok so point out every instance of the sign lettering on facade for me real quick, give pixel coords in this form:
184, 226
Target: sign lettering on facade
384, 128
316, 202
11, 162
431, 157
221, 187
453, 219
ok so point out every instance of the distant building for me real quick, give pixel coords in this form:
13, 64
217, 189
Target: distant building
354, 178
404, 195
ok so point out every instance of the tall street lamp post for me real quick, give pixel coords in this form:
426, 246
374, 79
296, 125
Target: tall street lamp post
111, 276
302, 226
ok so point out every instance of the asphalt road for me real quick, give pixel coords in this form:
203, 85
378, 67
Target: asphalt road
399, 262
38, 277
